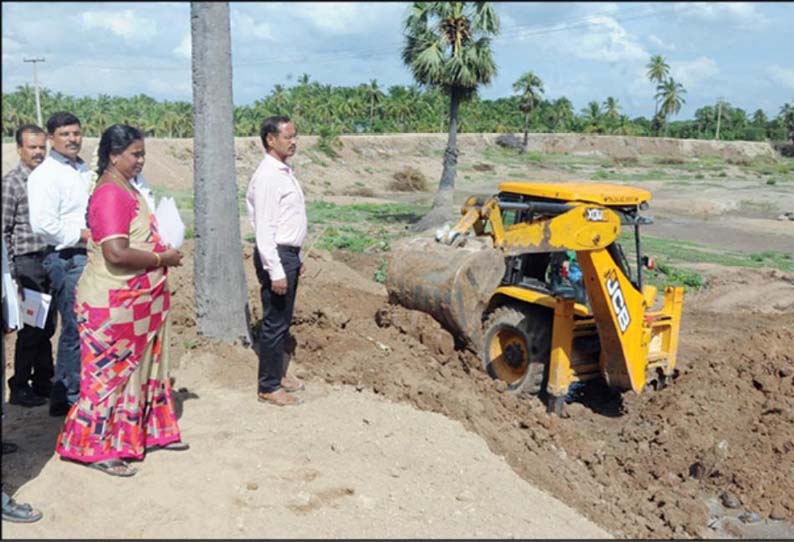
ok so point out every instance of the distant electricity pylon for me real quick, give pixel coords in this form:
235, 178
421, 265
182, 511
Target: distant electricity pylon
36, 85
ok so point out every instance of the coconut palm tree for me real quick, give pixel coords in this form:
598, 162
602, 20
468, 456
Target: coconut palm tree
592, 117
375, 96
787, 119
612, 111
529, 87
669, 94
658, 71
563, 112
448, 45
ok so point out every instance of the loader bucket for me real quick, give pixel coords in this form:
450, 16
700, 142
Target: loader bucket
453, 285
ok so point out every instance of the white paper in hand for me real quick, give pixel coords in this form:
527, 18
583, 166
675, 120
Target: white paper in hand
172, 229
34, 308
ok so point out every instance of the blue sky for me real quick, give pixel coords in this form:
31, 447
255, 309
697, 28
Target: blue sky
741, 51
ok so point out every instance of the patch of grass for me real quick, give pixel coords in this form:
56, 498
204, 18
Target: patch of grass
361, 227
190, 344
249, 237
189, 233
666, 274
771, 181
682, 252
380, 273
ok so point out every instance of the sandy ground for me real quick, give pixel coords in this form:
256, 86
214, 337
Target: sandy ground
398, 440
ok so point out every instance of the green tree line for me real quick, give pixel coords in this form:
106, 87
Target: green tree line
368, 108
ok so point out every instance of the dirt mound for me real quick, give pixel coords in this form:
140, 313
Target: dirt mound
624, 461
745, 290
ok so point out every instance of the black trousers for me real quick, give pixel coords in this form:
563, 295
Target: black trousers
33, 362
276, 320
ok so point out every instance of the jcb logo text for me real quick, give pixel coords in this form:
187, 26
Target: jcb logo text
618, 303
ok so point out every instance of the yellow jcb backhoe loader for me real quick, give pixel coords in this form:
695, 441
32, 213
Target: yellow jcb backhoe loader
497, 280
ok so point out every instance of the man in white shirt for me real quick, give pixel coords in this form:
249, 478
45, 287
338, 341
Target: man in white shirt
58, 200
277, 211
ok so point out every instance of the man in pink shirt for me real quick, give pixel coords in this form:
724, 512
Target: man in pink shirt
277, 211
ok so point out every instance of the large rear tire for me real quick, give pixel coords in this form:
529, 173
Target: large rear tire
517, 347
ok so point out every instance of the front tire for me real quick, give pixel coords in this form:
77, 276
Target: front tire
517, 347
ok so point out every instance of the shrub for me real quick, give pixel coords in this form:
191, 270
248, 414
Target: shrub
329, 141
670, 160
409, 179
510, 141
623, 161
363, 191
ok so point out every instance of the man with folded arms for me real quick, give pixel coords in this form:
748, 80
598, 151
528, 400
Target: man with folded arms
58, 199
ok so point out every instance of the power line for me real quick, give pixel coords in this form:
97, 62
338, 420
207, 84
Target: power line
520, 31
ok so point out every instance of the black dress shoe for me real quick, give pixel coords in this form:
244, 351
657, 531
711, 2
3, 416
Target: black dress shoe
9, 448
25, 397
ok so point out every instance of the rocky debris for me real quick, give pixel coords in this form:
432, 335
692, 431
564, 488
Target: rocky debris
749, 517
710, 460
729, 500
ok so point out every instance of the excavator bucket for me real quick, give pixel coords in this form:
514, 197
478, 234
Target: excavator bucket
452, 284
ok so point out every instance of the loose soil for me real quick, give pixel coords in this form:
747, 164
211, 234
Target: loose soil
401, 437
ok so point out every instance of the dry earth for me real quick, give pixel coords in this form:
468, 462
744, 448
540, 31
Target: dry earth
398, 440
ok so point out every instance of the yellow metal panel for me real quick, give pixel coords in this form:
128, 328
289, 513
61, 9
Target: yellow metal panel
601, 193
560, 374
537, 298
619, 314
568, 231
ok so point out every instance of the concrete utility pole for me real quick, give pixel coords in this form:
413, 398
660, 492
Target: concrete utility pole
719, 117
218, 276
36, 86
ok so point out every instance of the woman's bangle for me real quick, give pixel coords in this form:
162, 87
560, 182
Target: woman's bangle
158, 263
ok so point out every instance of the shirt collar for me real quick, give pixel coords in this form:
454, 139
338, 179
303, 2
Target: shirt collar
281, 166
23, 169
64, 160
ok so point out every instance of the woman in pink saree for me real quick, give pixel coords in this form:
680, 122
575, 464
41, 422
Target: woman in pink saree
122, 303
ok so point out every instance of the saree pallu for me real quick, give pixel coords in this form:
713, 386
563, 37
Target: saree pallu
125, 403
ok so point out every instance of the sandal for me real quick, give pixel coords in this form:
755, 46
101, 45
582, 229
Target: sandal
19, 512
174, 446
292, 384
114, 467
280, 398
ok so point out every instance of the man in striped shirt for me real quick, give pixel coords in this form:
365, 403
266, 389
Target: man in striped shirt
33, 365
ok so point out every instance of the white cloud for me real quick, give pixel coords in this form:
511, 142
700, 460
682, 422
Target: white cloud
124, 24
348, 17
660, 44
249, 28
605, 40
743, 13
781, 75
694, 73
184, 47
